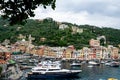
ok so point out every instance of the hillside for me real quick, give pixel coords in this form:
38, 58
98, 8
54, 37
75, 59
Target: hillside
47, 32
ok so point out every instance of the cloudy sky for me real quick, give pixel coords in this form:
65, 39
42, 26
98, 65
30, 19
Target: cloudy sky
102, 13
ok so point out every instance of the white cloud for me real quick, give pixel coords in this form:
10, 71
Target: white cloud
93, 12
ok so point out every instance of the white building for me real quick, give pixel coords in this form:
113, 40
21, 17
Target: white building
63, 26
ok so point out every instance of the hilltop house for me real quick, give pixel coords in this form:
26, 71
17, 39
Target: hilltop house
76, 30
63, 26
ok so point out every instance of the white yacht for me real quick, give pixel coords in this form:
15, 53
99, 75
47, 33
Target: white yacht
51, 70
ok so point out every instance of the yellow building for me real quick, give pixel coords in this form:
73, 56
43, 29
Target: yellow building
68, 53
49, 52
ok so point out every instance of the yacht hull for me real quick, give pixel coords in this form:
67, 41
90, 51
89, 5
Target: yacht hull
52, 75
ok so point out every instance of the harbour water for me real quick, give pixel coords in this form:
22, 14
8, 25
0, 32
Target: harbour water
101, 72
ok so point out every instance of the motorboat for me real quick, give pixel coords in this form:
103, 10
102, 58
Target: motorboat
93, 63
102, 62
33, 60
51, 70
90, 66
108, 63
75, 64
114, 64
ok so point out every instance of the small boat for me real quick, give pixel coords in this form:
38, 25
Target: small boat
102, 62
23, 63
108, 63
26, 67
51, 70
20, 61
90, 66
33, 60
93, 63
83, 62
114, 64
75, 64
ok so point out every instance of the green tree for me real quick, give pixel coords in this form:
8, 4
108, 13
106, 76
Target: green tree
17, 11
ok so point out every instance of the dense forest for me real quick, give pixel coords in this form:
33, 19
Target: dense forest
49, 30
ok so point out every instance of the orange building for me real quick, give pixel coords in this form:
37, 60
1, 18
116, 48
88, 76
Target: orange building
5, 54
40, 51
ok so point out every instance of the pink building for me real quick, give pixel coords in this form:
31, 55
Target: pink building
95, 49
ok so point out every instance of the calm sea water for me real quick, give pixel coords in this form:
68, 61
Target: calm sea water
101, 72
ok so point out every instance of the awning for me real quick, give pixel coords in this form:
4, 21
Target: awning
16, 53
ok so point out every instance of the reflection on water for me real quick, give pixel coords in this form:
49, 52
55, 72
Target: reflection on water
101, 72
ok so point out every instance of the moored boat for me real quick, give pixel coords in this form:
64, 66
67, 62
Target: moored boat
90, 66
114, 64
75, 64
108, 63
51, 70
93, 63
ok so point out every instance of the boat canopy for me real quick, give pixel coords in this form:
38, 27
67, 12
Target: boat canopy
11, 61
16, 53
